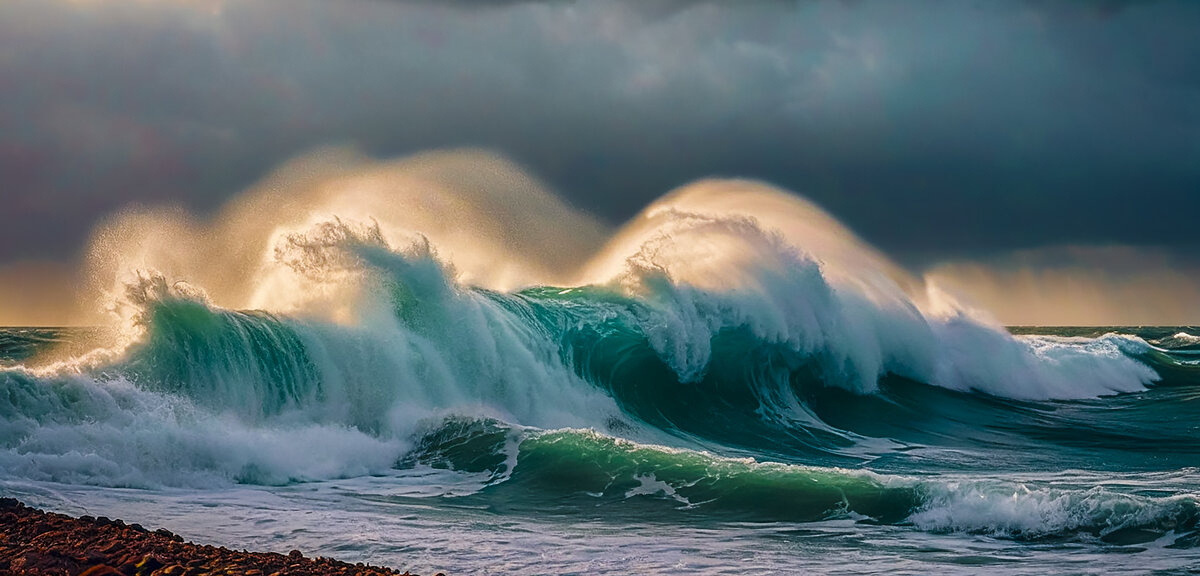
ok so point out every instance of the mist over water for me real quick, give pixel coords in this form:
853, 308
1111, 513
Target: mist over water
439, 342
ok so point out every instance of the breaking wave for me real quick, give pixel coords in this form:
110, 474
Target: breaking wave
732, 352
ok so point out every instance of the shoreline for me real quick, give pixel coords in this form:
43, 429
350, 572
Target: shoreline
35, 542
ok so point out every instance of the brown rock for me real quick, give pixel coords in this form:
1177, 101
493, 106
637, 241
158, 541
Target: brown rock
34, 542
101, 570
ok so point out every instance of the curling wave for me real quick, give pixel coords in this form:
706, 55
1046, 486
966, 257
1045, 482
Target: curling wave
732, 353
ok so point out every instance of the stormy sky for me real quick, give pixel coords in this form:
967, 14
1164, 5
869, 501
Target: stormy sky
947, 133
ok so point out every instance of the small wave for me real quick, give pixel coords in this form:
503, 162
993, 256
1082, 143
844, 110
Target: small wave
1180, 342
576, 470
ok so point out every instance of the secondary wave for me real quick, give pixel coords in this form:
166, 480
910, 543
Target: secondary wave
573, 472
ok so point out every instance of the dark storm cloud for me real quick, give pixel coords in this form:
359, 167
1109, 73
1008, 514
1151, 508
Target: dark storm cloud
935, 129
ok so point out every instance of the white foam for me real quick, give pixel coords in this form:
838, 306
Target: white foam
77, 429
741, 262
376, 379
1006, 509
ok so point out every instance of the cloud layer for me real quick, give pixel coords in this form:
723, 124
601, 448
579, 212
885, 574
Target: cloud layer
937, 130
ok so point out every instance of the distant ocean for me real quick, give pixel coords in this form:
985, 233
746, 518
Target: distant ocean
785, 423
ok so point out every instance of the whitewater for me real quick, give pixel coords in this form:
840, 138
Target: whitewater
434, 363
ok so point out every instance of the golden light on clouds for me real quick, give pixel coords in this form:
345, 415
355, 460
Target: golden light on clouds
1074, 286
37, 294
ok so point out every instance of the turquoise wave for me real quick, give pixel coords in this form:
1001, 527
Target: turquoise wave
667, 401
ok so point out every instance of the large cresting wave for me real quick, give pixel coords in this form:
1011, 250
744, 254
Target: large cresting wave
730, 347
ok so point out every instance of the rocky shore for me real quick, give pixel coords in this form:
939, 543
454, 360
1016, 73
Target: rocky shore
37, 542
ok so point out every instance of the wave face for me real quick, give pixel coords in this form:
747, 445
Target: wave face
733, 355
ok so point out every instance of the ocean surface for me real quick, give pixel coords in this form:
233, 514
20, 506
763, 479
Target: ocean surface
727, 404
